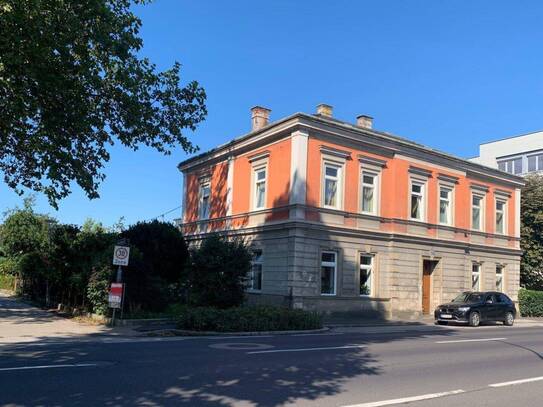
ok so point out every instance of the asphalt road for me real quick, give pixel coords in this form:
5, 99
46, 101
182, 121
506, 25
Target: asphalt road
354, 367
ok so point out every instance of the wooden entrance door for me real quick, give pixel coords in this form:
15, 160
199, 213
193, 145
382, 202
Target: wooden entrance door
427, 268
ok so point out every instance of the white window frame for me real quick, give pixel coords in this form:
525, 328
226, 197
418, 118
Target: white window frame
537, 162
502, 277
371, 268
203, 186
450, 206
510, 165
329, 264
256, 260
504, 216
422, 195
376, 186
256, 170
478, 273
339, 180
482, 203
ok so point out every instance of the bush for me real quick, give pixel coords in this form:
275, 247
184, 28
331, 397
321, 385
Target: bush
244, 319
98, 289
218, 272
530, 303
7, 282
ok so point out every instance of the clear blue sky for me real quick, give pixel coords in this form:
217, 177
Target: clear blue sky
446, 74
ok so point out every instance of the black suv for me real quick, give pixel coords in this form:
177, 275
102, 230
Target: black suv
476, 307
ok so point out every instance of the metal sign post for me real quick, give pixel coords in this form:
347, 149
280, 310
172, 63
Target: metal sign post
121, 253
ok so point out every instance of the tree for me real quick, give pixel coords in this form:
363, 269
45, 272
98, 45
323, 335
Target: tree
218, 272
531, 266
157, 262
72, 83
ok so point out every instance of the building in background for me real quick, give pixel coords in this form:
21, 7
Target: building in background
519, 155
344, 218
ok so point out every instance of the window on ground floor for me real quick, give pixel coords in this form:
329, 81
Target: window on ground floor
366, 274
499, 278
255, 277
328, 273
476, 277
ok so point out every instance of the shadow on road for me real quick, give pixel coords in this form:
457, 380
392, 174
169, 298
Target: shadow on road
189, 372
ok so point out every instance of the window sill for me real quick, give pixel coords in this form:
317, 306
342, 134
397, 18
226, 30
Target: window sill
328, 295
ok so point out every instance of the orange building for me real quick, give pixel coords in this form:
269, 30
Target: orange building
344, 218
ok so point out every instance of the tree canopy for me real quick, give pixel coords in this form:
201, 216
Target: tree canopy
72, 84
531, 266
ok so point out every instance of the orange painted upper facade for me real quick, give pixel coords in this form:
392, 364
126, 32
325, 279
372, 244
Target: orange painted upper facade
313, 168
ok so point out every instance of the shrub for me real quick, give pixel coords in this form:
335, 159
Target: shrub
218, 272
530, 303
7, 282
243, 319
98, 289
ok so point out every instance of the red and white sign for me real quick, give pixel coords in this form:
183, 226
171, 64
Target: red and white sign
115, 297
120, 255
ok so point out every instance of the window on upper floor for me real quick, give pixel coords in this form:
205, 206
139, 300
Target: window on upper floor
500, 216
512, 166
445, 205
332, 183
259, 187
369, 192
477, 210
535, 162
417, 200
204, 203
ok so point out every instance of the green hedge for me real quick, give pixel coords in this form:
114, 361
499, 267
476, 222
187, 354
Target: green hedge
245, 319
530, 303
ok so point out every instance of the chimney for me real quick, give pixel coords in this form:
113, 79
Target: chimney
260, 117
324, 110
366, 122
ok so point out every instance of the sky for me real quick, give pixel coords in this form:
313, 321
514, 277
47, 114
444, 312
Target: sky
448, 74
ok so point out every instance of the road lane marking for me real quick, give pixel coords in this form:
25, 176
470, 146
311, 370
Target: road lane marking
473, 340
408, 399
512, 383
328, 334
7, 369
308, 349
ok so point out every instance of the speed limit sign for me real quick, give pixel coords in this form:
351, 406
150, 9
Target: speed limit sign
120, 255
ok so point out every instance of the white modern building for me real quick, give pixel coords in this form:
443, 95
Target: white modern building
519, 155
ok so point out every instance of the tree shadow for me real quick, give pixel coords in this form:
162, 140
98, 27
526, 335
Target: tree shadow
193, 373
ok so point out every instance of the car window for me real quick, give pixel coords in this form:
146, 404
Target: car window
474, 298
462, 297
490, 299
498, 299
505, 299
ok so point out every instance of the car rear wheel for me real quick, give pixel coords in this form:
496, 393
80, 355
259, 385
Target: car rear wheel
509, 319
474, 319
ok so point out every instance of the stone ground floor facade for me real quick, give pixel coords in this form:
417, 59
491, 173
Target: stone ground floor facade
408, 276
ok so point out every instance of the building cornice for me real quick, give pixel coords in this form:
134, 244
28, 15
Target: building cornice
380, 143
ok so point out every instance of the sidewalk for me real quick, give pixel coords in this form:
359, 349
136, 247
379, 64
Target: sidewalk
21, 323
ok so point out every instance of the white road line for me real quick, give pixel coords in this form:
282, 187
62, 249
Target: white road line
473, 340
253, 337
306, 349
512, 383
407, 399
7, 369
329, 334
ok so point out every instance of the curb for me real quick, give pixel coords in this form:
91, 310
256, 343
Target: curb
184, 332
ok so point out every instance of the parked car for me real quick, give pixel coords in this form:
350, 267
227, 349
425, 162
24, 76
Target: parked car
475, 307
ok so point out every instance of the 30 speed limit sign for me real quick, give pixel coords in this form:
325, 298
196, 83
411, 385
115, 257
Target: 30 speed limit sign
120, 255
